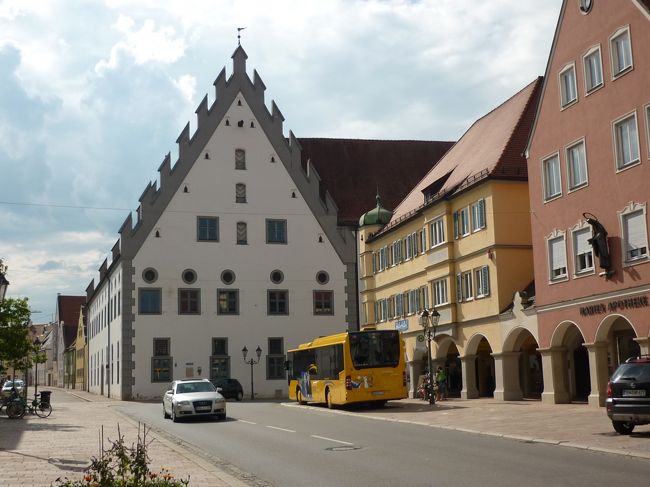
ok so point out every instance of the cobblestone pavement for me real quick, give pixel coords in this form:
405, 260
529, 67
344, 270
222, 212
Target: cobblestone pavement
36, 451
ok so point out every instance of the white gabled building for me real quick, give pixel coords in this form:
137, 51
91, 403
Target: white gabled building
235, 248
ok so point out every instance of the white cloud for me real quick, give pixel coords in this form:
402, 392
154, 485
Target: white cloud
145, 45
186, 84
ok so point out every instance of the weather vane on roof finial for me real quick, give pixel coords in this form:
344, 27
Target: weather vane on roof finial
239, 29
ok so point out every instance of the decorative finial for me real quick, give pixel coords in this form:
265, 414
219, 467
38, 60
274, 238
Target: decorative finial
239, 29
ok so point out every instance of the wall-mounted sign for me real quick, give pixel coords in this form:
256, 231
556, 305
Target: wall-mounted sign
402, 325
614, 306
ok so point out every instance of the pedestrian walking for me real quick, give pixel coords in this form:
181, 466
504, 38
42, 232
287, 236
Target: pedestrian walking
441, 380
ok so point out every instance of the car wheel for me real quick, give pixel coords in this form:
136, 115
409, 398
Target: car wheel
165, 415
623, 427
239, 396
175, 418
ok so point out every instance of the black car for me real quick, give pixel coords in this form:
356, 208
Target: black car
628, 395
230, 388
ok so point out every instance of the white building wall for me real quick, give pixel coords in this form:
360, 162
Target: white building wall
211, 192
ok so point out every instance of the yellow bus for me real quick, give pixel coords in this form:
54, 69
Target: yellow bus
351, 367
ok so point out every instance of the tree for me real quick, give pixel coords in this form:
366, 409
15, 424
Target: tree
17, 349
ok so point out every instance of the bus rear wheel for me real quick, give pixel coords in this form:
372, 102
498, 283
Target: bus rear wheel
328, 399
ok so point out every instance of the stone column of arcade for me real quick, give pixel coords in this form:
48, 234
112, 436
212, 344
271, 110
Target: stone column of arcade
598, 372
506, 371
556, 390
470, 389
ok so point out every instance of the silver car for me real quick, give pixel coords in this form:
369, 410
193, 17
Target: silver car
193, 397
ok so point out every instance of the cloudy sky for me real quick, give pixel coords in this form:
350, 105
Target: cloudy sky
94, 93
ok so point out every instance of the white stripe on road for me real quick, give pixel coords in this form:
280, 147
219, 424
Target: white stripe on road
331, 439
244, 421
281, 429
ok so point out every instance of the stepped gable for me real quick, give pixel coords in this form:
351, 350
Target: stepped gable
491, 148
352, 170
68, 309
154, 199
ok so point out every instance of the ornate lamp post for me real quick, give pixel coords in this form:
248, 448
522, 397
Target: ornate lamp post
3, 283
37, 342
252, 362
429, 322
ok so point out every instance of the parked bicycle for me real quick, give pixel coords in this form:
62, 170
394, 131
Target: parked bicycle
37, 406
14, 404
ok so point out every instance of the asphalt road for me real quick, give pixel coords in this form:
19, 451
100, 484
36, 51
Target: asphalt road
289, 445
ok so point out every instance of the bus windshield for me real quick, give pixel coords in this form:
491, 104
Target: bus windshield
375, 348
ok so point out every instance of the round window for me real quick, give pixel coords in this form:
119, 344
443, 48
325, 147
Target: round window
228, 277
585, 5
189, 276
322, 277
150, 275
277, 277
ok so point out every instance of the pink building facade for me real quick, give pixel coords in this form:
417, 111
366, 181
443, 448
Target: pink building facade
589, 173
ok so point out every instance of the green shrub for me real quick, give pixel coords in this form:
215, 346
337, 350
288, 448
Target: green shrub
123, 466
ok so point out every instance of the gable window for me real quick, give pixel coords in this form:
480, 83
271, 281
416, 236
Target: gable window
593, 70
149, 301
275, 360
207, 229
276, 231
323, 302
552, 177
161, 361
478, 215
240, 159
219, 360
626, 141
240, 193
437, 232
568, 91
189, 301
576, 165
440, 295
482, 279
242, 233
583, 254
635, 235
557, 258
621, 51
227, 301
278, 302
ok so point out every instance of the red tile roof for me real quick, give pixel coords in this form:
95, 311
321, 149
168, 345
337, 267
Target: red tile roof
353, 170
492, 147
69, 308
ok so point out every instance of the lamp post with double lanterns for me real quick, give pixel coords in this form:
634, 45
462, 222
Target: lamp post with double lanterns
252, 362
429, 321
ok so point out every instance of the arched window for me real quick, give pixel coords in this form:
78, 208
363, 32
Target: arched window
240, 193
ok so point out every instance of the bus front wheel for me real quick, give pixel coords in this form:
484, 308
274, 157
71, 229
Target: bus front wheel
299, 396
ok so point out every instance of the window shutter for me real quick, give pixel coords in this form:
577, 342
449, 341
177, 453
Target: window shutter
485, 277
456, 231
481, 212
557, 253
459, 288
582, 242
635, 231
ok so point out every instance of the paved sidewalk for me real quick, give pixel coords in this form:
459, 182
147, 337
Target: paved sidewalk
568, 425
36, 451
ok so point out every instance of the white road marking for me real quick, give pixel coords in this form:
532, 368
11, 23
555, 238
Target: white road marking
281, 429
244, 421
332, 439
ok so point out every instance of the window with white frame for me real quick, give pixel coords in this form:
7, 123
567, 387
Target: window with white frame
583, 254
437, 232
621, 51
552, 177
412, 301
557, 258
635, 235
422, 240
414, 244
440, 295
423, 298
576, 165
464, 286
593, 70
626, 141
482, 280
478, 215
568, 91
409, 247
461, 223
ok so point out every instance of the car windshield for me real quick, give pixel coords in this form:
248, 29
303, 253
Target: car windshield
191, 387
8, 384
639, 372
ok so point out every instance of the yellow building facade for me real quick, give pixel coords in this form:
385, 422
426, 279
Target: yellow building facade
460, 243
81, 355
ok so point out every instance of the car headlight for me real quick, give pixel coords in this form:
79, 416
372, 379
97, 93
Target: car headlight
219, 401
184, 403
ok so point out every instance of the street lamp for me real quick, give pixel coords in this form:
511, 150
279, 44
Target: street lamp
3, 284
429, 322
252, 362
37, 342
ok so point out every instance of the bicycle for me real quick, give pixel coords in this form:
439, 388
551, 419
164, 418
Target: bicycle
38, 407
14, 405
